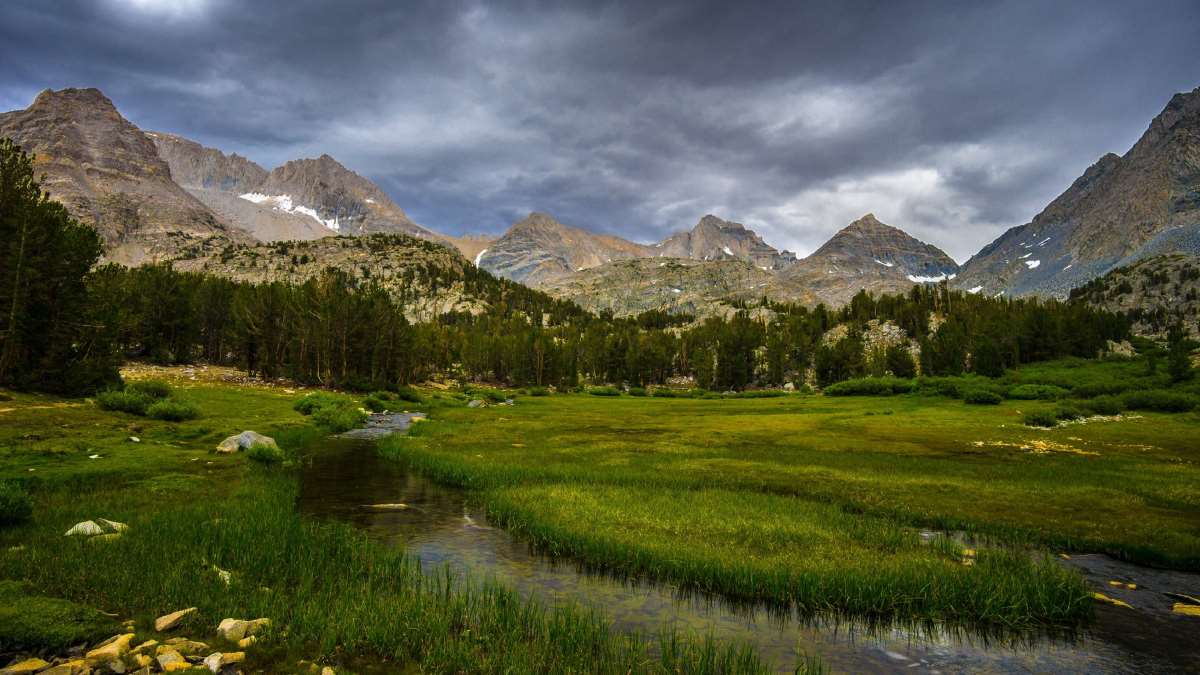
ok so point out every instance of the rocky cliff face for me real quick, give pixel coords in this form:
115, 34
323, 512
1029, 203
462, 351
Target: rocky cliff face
1120, 210
109, 175
870, 255
716, 239
539, 249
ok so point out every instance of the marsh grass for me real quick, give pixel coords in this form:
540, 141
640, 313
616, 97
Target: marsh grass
333, 594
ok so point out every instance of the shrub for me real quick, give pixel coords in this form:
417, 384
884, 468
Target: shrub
1036, 392
123, 401
310, 403
1041, 418
340, 416
1067, 412
172, 410
697, 392
870, 386
1159, 400
1104, 405
539, 391
375, 404
604, 391
15, 505
637, 391
156, 389
1094, 389
982, 397
663, 393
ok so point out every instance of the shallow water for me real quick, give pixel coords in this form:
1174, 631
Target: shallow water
440, 528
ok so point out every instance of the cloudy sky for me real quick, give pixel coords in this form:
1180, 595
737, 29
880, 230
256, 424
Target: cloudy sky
951, 120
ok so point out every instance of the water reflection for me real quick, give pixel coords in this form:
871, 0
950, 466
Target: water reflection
440, 528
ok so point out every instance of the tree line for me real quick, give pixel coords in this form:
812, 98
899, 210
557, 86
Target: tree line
65, 328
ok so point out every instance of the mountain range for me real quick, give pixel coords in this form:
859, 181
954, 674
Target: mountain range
158, 196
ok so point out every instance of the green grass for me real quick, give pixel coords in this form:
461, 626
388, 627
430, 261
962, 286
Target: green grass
334, 595
576, 474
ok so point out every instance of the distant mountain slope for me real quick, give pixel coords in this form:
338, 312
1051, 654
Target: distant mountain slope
867, 254
428, 277
303, 199
1156, 292
1120, 210
716, 239
109, 175
677, 285
539, 249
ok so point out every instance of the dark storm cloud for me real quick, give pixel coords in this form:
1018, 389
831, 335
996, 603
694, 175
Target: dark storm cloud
953, 121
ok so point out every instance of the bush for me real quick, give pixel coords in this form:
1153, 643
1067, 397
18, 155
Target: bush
604, 391
637, 391
376, 404
310, 403
1041, 418
1068, 412
123, 401
340, 416
982, 397
1159, 400
156, 389
660, 392
15, 505
1094, 389
1105, 405
870, 386
1036, 392
697, 392
539, 391
172, 410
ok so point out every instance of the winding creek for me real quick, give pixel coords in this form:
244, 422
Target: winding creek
441, 528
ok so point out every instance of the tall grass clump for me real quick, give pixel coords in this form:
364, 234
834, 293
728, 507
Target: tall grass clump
154, 389
637, 391
604, 391
870, 386
15, 505
172, 410
663, 392
310, 403
123, 401
539, 391
1159, 400
1104, 405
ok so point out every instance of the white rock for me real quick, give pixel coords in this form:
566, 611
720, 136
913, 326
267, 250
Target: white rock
87, 528
244, 441
169, 621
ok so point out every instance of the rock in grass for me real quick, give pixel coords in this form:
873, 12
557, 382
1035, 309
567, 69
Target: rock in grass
170, 660
476, 403
169, 621
73, 667
111, 525
25, 667
245, 441
186, 647
247, 641
111, 649
86, 528
236, 629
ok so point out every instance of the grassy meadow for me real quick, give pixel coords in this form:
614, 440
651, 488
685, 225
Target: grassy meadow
333, 595
818, 501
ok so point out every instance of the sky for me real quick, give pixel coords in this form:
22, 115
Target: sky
951, 120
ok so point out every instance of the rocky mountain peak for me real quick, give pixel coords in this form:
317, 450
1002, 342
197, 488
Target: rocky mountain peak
869, 241
714, 238
108, 174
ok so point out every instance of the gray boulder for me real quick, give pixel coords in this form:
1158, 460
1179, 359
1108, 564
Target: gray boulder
244, 441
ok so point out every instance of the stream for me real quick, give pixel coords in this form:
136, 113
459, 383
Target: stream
440, 528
